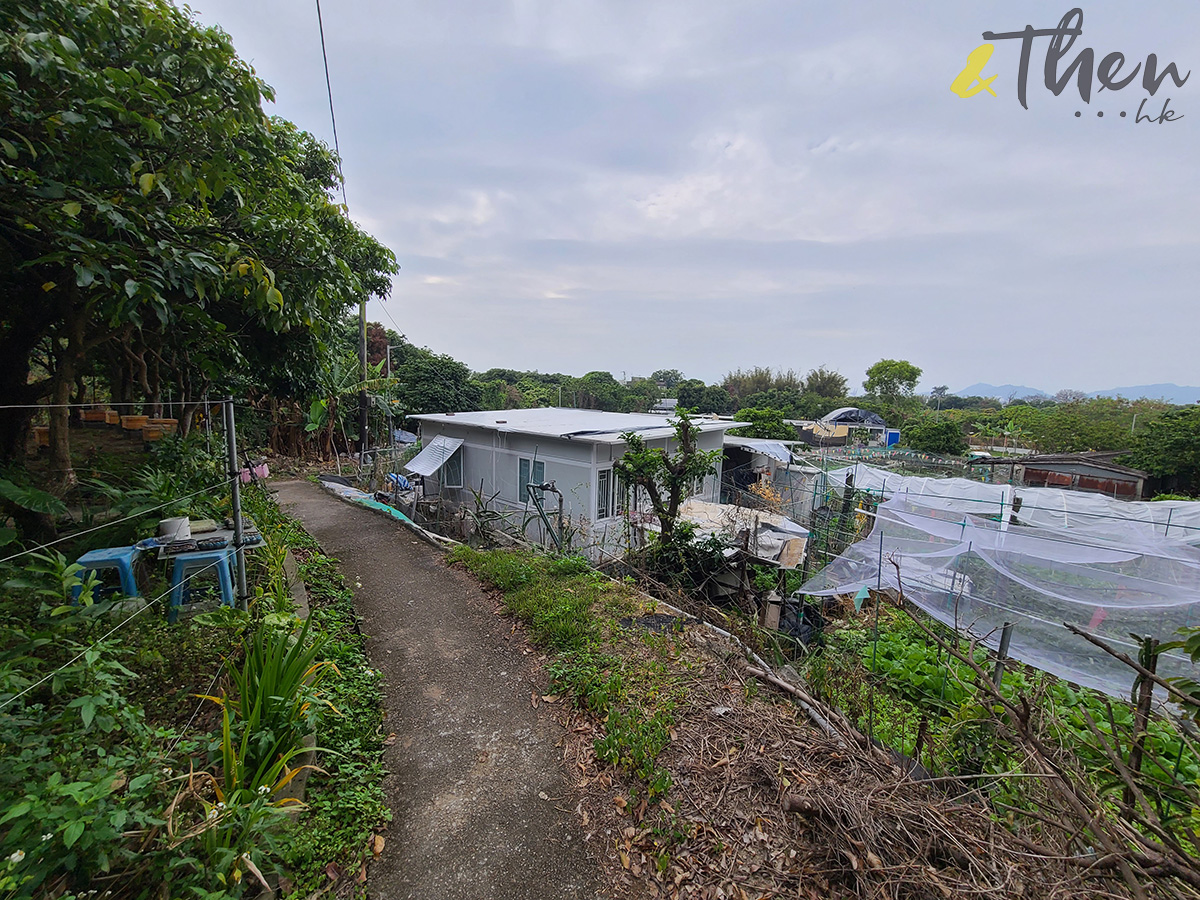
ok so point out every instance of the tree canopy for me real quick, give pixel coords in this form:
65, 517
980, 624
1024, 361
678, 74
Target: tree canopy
158, 227
933, 434
1169, 447
823, 382
764, 423
892, 378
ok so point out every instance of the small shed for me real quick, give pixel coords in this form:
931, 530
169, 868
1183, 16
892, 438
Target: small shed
1093, 471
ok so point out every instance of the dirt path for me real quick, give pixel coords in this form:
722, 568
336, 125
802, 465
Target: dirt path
473, 759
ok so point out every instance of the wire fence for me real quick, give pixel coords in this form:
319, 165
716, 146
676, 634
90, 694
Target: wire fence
141, 513
149, 604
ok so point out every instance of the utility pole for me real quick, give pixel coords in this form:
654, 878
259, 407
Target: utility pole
390, 432
235, 476
362, 395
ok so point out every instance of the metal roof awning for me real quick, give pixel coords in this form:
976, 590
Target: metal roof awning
434, 456
777, 450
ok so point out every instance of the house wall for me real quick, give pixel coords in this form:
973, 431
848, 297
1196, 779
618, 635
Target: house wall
491, 461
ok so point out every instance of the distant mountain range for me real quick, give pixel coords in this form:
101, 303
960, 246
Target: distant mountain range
1002, 391
1172, 393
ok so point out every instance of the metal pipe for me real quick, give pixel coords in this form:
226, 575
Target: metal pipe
363, 440
532, 490
235, 475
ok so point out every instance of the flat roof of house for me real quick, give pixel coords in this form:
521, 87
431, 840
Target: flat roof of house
591, 426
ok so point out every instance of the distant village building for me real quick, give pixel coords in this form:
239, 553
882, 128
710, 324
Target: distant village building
840, 427
1094, 471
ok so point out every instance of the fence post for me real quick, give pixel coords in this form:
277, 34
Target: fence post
235, 475
1005, 639
875, 639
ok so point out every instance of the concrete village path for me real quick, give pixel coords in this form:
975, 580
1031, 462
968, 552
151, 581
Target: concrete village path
472, 760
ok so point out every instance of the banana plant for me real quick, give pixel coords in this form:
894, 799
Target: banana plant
340, 378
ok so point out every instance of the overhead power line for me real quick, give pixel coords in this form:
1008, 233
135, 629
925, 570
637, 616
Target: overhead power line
332, 117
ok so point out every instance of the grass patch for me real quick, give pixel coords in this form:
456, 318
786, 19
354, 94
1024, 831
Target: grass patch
572, 612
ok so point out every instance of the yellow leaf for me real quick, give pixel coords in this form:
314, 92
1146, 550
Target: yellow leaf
146, 183
377, 845
48, 286
72, 208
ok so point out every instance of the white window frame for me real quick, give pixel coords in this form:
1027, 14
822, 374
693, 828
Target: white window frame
453, 461
606, 506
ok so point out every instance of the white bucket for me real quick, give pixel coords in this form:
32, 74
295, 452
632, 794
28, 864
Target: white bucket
175, 529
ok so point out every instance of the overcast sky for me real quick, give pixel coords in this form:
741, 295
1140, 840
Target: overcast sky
630, 186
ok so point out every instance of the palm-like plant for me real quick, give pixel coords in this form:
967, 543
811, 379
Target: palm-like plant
340, 378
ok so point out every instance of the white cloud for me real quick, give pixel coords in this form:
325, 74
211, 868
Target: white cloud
582, 184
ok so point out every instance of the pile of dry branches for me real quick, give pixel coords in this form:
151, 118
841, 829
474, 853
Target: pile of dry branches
764, 803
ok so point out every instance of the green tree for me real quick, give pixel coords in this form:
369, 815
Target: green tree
890, 385
641, 395
430, 382
892, 379
789, 402
599, 390
666, 478
668, 378
741, 384
716, 401
155, 210
690, 393
825, 382
764, 423
535, 393
933, 434
1170, 448
498, 394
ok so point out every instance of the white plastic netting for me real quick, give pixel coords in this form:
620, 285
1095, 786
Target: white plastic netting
1099, 515
976, 574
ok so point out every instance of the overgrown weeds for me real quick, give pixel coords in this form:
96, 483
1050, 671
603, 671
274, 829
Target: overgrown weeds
344, 802
117, 777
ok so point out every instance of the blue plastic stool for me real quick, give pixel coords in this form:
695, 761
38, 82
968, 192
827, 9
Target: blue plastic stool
119, 558
221, 563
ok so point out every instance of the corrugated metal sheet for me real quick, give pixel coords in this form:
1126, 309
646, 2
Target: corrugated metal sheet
775, 449
434, 456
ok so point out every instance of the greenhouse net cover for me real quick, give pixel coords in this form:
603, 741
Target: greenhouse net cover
1076, 510
975, 574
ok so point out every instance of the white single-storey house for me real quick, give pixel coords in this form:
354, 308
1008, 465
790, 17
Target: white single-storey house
498, 453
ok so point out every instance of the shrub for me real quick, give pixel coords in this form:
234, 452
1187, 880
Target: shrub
935, 435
